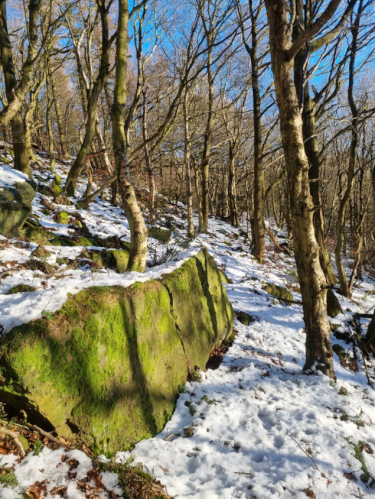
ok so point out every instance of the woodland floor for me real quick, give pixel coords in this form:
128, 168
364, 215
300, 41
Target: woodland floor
260, 428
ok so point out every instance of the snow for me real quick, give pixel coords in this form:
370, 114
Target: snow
9, 176
262, 428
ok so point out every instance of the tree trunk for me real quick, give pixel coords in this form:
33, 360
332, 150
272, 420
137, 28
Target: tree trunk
187, 158
306, 249
50, 131
150, 170
259, 243
75, 171
59, 118
232, 191
341, 222
312, 152
203, 221
138, 229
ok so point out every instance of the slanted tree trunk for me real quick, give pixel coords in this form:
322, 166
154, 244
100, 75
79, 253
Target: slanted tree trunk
21, 159
138, 229
75, 171
306, 249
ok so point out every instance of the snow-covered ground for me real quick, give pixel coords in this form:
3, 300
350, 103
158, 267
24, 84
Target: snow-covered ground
259, 427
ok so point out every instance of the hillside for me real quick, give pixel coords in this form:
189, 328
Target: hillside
250, 426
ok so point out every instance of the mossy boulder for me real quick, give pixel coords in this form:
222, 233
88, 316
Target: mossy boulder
20, 288
200, 307
15, 203
110, 363
63, 241
333, 304
224, 278
162, 235
56, 186
62, 217
120, 259
278, 292
112, 259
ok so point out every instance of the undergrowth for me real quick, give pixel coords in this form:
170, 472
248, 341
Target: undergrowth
136, 482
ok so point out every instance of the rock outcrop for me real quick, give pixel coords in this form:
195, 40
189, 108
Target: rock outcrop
111, 362
16, 195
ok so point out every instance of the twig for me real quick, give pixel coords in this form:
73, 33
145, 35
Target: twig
14, 436
48, 435
294, 440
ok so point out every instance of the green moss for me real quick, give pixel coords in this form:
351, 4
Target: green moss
20, 288
62, 241
128, 377
62, 217
278, 292
201, 309
333, 304
111, 362
120, 259
244, 318
162, 235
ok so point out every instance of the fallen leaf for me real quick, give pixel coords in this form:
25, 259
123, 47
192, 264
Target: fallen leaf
309, 493
350, 476
37, 490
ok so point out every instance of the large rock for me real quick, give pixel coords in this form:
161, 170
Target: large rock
16, 195
111, 362
333, 304
278, 292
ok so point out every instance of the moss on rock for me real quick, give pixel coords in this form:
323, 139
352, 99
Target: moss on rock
333, 304
278, 292
110, 363
62, 217
15, 205
162, 235
20, 288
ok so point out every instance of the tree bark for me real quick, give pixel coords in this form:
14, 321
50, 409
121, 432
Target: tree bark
59, 118
341, 224
306, 249
138, 229
150, 170
187, 158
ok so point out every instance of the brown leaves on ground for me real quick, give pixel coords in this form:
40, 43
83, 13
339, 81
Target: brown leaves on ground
309, 492
350, 476
38, 490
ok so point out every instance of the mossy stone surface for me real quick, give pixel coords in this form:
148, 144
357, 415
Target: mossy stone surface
20, 288
119, 259
223, 277
109, 363
202, 311
333, 304
162, 235
15, 205
62, 217
278, 292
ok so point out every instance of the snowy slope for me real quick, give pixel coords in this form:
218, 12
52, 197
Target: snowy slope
260, 428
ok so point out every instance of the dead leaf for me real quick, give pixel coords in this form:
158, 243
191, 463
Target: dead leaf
350, 476
309, 493
37, 490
